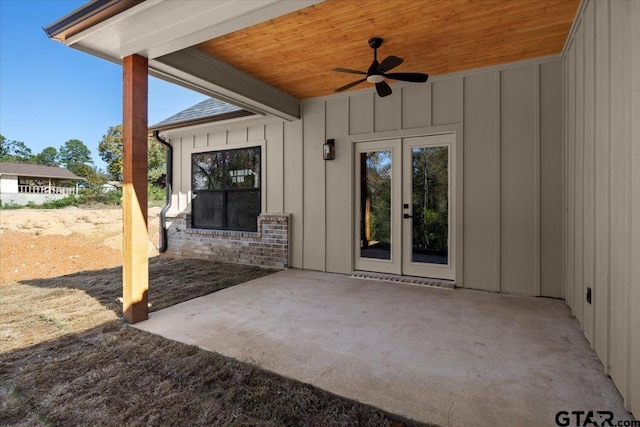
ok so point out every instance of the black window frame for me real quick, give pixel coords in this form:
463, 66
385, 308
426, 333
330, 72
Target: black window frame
226, 191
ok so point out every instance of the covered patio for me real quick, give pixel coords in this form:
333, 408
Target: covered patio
538, 103
450, 357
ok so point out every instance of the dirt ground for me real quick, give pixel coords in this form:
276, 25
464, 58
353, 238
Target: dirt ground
67, 357
41, 243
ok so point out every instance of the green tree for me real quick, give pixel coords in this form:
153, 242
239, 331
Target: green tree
47, 157
157, 157
91, 174
74, 151
110, 150
15, 151
430, 198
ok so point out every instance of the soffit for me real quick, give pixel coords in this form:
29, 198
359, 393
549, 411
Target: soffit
154, 28
295, 52
165, 31
265, 55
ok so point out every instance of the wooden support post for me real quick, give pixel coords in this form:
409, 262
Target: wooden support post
135, 269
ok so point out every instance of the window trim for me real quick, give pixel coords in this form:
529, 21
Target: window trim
224, 147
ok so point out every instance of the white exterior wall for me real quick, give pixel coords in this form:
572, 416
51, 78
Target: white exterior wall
8, 184
508, 125
602, 185
281, 143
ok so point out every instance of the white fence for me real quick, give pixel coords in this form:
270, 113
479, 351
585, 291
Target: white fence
46, 189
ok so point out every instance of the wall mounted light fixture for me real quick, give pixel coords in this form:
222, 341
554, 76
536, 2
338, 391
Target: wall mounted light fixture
329, 150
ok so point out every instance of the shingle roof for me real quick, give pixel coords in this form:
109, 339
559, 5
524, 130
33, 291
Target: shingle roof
209, 108
36, 171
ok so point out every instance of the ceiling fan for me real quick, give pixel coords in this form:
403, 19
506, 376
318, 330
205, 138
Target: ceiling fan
378, 72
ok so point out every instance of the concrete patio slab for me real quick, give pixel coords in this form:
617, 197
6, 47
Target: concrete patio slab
453, 358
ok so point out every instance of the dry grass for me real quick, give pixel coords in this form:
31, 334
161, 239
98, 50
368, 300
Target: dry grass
68, 359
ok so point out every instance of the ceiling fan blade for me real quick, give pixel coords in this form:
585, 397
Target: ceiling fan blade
389, 63
346, 70
350, 85
383, 89
408, 77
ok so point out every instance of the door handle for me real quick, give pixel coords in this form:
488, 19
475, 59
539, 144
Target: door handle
405, 216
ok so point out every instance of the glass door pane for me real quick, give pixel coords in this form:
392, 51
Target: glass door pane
428, 233
375, 204
430, 205
378, 197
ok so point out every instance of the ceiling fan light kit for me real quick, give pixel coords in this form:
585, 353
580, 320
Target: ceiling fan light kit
377, 72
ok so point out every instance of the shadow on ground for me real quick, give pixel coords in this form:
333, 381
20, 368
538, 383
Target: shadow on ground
66, 358
171, 281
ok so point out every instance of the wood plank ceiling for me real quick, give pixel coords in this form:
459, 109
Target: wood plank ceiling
296, 52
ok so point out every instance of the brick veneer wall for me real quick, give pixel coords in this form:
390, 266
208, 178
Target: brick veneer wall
269, 246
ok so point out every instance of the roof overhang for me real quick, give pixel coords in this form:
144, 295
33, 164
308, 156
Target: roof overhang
86, 16
29, 175
164, 32
266, 55
224, 117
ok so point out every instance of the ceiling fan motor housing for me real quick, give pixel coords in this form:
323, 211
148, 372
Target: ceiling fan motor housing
377, 72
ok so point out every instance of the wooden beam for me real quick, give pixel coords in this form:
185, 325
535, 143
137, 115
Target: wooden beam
227, 83
135, 269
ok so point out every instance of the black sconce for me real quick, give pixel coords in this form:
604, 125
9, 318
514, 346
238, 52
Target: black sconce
329, 150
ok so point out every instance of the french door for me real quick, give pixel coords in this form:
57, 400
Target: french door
403, 209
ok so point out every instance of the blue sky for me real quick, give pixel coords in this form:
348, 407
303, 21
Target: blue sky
50, 93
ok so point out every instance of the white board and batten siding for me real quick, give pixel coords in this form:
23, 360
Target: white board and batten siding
602, 185
508, 129
281, 144
509, 139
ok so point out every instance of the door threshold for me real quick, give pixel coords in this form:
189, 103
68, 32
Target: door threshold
408, 280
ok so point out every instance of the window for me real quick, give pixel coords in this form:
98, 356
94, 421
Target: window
226, 187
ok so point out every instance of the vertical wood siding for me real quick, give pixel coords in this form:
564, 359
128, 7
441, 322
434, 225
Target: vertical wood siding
339, 186
482, 181
313, 193
517, 197
634, 211
274, 158
292, 176
551, 254
512, 127
602, 185
602, 180
508, 123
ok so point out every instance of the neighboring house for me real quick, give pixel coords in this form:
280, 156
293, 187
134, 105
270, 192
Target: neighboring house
514, 169
111, 186
21, 183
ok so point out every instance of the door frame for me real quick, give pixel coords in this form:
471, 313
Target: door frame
455, 132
